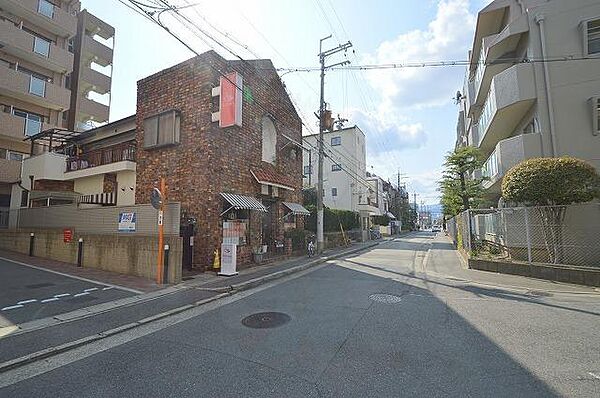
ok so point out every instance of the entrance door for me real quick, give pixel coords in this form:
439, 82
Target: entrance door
187, 233
267, 223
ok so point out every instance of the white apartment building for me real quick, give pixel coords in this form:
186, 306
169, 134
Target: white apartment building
344, 167
533, 87
377, 200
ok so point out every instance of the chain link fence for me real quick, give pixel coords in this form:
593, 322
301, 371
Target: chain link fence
561, 235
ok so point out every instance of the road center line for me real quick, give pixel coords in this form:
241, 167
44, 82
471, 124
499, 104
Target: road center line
81, 294
12, 307
62, 295
49, 300
27, 301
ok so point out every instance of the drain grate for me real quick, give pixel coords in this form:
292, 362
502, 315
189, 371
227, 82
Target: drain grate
39, 285
266, 320
385, 298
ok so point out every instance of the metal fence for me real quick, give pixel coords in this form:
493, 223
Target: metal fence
562, 235
98, 220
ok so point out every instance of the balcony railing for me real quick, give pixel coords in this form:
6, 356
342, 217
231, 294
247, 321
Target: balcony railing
113, 154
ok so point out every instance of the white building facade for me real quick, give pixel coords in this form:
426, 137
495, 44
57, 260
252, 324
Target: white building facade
533, 87
344, 167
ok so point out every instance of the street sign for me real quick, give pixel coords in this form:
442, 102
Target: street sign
126, 222
156, 198
160, 217
67, 235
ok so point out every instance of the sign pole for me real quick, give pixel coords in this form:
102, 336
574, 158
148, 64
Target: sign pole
159, 265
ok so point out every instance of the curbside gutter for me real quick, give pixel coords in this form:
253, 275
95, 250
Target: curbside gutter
222, 293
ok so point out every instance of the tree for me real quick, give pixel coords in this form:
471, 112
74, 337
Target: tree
459, 190
551, 184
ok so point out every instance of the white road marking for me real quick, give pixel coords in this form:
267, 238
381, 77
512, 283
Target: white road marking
62, 295
81, 294
71, 276
594, 375
90, 289
12, 307
107, 288
27, 301
49, 300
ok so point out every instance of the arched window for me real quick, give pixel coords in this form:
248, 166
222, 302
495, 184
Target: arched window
269, 141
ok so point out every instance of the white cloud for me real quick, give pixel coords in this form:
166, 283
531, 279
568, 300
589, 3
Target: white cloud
447, 37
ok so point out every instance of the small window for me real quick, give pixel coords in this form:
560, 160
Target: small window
307, 170
162, 130
333, 191
595, 101
336, 141
41, 46
46, 8
24, 198
336, 167
71, 45
16, 156
592, 36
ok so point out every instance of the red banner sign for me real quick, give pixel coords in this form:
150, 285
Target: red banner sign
67, 235
231, 100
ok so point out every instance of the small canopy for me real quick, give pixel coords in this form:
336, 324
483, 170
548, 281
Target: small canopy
297, 209
240, 202
390, 215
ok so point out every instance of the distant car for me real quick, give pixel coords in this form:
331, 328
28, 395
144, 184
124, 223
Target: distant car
436, 228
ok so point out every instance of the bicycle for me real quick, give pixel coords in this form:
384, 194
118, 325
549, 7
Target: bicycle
310, 248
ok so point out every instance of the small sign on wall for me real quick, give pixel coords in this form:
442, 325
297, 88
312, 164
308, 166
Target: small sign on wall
127, 222
67, 235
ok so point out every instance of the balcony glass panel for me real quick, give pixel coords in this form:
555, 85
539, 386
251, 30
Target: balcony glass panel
37, 86
480, 68
46, 8
486, 114
490, 168
41, 46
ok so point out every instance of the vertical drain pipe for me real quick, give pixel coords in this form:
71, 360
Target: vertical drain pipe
539, 19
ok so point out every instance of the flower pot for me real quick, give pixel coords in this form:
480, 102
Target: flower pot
257, 257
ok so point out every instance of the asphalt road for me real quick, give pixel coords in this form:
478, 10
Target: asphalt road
370, 325
28, 293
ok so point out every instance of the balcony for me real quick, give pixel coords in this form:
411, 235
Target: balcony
43, 14
507, 154
94, 81
512, 93
38, 51
33, 90
92, 110
18, 127
97, 52
106, 160
473, 134
10, 170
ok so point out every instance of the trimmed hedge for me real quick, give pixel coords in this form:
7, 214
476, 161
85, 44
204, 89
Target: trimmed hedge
332, 219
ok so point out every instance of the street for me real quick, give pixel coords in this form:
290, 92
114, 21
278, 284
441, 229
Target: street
401, 319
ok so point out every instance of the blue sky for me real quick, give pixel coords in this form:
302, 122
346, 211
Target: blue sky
407, 114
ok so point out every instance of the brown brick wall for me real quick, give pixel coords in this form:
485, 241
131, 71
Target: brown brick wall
210, 160
110, 183
53, 185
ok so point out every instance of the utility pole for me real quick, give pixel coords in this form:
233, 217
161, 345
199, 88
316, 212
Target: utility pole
322, 108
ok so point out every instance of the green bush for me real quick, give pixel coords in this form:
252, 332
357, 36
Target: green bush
551, 182
332, 219
298, 236
381, 220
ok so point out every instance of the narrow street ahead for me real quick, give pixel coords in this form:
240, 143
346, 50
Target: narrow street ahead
382, 323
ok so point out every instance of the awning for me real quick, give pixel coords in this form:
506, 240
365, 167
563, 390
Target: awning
297, 209
240, 202
390, 215
267, 176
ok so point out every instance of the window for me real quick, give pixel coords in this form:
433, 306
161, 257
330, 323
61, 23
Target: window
333, 191
15, 156
336, 141
68, 81
592, 37
595, 101
41, 46
33, 122
3, 153
71, 45
46, 8
162, 129
336, 167
24, 198
307, 170
37, 86
269, 141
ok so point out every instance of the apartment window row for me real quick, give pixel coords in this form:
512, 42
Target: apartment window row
486, 114
162, 129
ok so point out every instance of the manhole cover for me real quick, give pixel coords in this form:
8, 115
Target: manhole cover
39, 285
266, 320
385, 298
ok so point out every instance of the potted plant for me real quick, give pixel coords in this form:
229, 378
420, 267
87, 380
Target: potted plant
257, 254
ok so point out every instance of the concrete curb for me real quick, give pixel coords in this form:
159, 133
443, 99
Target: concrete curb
229, 290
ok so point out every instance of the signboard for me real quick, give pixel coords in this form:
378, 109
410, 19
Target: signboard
230, 101
127, 222
67, 235
228, 259
160, 217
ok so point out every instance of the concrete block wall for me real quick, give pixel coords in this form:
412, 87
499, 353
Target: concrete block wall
130, 255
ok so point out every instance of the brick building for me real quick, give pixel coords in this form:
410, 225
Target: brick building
239, 182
